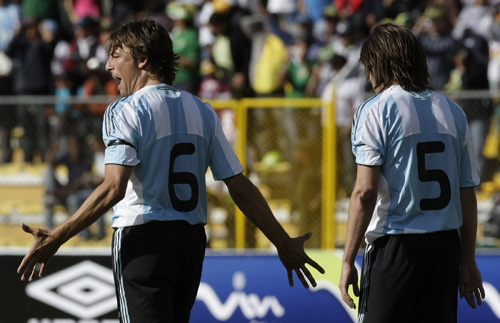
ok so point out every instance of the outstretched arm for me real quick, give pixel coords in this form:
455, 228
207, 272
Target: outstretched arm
290, 250
47, 242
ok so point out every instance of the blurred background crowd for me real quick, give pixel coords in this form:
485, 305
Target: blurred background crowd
234, 49
243, 48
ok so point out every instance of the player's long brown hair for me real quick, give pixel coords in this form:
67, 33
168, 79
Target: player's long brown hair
392, 55
148, 39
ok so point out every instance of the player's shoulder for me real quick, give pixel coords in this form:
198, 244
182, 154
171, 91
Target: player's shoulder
168, 93
144, 96
368, 104
116, 105
454, 107
191, 101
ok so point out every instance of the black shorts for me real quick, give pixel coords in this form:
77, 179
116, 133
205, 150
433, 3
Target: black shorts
157, 268
411, 278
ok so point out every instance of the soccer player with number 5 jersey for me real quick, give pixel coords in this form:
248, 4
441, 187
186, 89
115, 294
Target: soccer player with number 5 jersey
414, 199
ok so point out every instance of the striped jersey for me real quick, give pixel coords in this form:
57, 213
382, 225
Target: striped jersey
170, 137
421, 142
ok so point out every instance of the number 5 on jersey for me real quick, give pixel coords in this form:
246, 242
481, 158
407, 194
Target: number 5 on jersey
433, 175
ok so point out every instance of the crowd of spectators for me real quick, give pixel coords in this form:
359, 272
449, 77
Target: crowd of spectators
238, 48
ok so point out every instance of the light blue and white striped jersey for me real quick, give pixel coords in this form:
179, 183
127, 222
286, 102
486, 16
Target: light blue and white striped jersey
170, 137
421, 142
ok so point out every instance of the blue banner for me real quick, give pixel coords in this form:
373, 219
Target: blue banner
238, 288
251, 288
255, 289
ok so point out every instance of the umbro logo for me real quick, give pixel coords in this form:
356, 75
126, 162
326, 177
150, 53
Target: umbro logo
85, 290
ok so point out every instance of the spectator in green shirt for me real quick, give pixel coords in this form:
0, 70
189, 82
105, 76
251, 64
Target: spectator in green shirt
185, 42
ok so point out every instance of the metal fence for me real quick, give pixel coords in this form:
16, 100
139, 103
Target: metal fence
291, 148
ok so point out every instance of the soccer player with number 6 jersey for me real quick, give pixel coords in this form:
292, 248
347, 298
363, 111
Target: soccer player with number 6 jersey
414, 199
159, 143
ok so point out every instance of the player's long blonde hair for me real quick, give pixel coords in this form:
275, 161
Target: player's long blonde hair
392, 55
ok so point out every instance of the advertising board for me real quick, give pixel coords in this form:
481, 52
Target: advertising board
244, 287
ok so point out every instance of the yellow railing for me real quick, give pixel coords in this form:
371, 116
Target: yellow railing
328, 160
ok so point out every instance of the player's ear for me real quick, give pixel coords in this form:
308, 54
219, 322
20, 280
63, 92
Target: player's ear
142, 62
